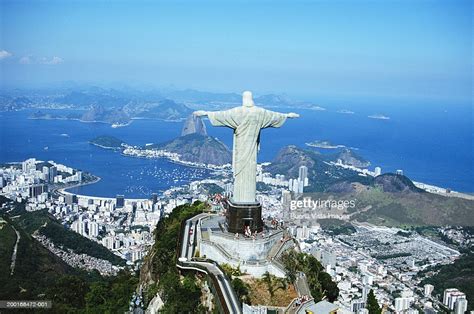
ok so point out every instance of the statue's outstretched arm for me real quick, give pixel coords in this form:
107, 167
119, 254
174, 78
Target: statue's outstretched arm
200, 113
226, 118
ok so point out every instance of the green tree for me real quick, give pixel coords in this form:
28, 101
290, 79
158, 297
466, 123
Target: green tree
320, 283
372, 304
242, 290
180, 294
273, 283
68, 293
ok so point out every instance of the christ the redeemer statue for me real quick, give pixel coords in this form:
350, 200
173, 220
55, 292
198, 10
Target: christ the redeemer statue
246, 121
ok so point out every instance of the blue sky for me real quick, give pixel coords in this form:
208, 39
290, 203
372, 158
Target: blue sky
412, 49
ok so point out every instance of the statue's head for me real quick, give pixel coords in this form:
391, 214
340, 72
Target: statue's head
247, 100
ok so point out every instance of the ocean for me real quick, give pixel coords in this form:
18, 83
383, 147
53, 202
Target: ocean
431, 144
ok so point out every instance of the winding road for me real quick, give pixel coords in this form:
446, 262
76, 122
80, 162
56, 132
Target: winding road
15, 250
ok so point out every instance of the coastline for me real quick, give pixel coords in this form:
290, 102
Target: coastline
113, 125
105, 147
179, 162
64, 190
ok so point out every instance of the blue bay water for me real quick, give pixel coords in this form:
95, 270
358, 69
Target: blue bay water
432, 144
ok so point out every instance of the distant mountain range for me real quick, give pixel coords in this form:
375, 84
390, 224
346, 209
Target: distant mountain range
10, 103
160, 104
163, 109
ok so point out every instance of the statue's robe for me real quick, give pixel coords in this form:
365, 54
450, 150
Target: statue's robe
247, 123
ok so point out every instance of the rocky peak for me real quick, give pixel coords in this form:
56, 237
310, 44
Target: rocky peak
194, 125
348, 157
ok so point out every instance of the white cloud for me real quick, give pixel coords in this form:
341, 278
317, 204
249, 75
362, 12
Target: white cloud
4, 54
53, 60
25, 60
33, 60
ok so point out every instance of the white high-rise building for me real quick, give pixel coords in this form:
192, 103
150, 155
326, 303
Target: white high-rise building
402, 304
285, 203
399, 172
428, 289
368, 279
365, 292
300, 186
108, 242
303, 172
82, 227
377, 171
454, 298
29, 164
285, 197
460, 307
93, 229
450, 296
357, 305
45, 173
303, 175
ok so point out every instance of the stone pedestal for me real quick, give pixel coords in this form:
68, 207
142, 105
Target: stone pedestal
241, 215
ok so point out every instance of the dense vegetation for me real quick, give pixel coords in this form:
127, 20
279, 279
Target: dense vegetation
336, 226
242, 290
321, 175
198, 148
458, 275
412, 209
179, 296
80, 245
107, 142
47, 225
82, 294
212, 188
320, 283
41, 275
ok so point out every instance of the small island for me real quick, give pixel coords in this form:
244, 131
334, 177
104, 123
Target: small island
324, 144
379, 117
108, 142
345, 111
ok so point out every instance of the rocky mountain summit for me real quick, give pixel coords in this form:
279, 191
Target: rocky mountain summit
194, 125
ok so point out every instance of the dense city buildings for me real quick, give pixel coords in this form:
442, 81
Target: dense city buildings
382, 259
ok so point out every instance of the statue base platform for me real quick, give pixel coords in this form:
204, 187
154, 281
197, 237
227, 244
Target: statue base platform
239, 216
255, 255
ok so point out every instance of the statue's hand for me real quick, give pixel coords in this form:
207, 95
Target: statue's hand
292, 115
200, 113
